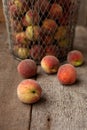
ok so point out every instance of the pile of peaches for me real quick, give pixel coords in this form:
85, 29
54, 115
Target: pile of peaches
30, 91
40, 27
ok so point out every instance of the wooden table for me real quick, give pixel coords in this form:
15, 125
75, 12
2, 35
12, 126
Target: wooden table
60, 108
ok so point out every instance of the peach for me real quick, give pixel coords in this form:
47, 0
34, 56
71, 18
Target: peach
31, 17
67, 74
66, 5
47, 40
61, 33
49, 26
50, 64
13, 10
16, 25
18, 7
52, 50
27, 68
21, 38
37, 52
75, 58
23, 53
29, 91
56, 11
24, 22
64, 20
42, 6
32, 32
64, 42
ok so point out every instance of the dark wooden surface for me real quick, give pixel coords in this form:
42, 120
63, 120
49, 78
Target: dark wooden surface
60, 108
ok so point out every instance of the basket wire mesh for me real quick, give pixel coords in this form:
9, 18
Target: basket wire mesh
40, 27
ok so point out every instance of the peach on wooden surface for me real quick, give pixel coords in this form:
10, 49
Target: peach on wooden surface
75, 57
27, 68
50, 64
67, 74
29, 91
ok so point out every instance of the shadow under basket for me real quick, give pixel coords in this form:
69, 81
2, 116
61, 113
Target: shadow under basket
39, 28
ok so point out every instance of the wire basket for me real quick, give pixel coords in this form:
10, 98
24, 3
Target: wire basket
40, 27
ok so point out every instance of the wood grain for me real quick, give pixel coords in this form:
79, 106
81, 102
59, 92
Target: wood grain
13, 114
63, 107
2, 19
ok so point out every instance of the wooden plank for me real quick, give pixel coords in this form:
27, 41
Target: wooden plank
63, 108
13, 114
2, 19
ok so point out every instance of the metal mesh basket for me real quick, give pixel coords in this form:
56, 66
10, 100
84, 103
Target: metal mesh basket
40, 27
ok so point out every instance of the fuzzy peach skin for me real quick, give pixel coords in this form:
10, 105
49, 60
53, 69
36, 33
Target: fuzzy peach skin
29, 91
56, 11
61, 33
44, 6
50, 64
52, 50
23, 53
31, 17
21, 38
75, 58
37, 52
27, 68
67, 74
49, 26
18, 7
32, 32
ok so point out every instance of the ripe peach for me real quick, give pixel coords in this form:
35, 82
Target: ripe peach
66, 5
18, 7
64, 42
52, 50
50, 64
24, 22
16, 25
61, 33
37, 52
49, 26
32, 33
31, 17
23, 53
29, 91
64, 20
21, 38
13, 10
47, 40
42, 6
56, 11
67, 74
27, 68
75, 58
